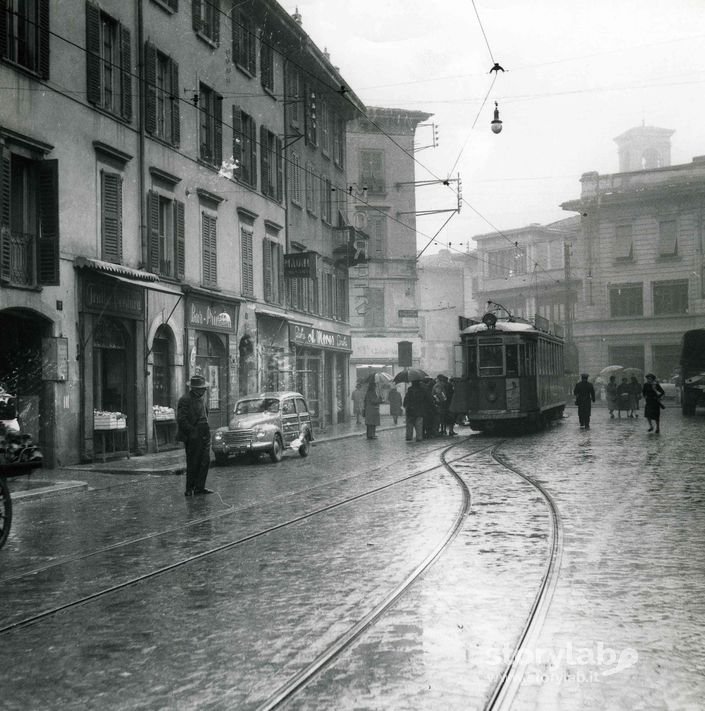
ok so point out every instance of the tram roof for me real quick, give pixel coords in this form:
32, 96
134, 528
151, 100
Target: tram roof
501, 326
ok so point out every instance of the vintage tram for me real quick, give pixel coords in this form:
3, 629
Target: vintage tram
509, 372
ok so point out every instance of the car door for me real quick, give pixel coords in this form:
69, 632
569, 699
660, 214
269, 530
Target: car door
290, 420
304, 415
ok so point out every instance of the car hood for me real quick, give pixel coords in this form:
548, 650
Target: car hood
245, 422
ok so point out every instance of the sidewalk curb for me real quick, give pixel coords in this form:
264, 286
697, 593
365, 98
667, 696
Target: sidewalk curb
178, 468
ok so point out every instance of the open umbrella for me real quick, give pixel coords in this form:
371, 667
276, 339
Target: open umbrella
410, 375
604, 375
636, 372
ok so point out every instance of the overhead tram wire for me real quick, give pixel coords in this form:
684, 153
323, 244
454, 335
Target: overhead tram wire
66, 92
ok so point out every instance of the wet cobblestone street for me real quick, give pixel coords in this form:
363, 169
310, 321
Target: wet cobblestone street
259, 601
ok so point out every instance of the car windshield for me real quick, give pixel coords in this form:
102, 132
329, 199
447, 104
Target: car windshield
260, 404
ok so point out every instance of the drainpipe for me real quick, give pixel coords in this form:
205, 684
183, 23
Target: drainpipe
142, 371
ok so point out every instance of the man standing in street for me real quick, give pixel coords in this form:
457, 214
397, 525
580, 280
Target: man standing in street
417, 402
584, 392
192, 420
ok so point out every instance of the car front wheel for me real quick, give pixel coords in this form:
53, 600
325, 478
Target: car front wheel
277, 449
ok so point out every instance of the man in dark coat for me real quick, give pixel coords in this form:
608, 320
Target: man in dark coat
394, 398
417, 403
193, 431
584, 392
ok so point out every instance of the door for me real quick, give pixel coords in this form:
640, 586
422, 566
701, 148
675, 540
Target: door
290, 421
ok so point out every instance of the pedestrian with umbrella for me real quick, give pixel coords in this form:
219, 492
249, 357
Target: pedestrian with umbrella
416, 403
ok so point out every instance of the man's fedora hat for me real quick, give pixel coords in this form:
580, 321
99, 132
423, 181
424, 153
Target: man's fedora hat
197, 382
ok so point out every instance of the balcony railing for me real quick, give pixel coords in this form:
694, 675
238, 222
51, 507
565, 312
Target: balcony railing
22, 258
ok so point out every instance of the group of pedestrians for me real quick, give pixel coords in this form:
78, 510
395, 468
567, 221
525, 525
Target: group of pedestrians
426, 406
622, 397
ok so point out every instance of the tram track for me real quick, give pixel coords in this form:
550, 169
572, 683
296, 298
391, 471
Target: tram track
327, 656
44, 614
502, 693
508, 682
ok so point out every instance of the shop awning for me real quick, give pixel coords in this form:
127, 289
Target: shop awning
271, 313
119, 272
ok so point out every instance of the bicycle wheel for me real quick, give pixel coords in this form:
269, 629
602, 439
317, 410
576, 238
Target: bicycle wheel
5, 511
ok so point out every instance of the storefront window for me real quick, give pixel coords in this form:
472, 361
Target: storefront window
161, 369
110, 367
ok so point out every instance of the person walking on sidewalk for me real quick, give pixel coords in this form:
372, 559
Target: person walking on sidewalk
394, 398
611, 392
358, 398
653, 392
584, 392
193, 431
372, 401
417, 403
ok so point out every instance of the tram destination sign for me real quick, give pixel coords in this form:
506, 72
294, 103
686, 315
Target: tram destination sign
318, 338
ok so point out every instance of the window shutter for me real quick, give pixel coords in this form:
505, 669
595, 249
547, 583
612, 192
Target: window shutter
48, 242
267, 253
180, 239
92, 53
280, 168
150, 88
252, 134
216, 22
238, 144
264, 157
112, 216
237, 37
44, 39
210, 257
218, 129
3, 30
251, 45
126, 72
174, 98
247, 266
280, 272
153, 231
196, 14
5, 193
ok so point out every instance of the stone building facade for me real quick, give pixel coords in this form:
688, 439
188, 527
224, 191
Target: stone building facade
144, 222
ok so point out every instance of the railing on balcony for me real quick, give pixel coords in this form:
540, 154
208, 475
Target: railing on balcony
22, 258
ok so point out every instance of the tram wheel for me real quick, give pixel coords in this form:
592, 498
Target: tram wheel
5, 511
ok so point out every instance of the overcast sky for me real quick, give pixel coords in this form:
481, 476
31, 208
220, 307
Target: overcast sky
578, 74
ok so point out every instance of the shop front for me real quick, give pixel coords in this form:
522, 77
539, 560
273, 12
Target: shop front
111, 348
276, 363
321, 362
213, 349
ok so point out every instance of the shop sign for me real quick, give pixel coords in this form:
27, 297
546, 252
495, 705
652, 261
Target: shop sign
115, 298
300, 264
211, 315
408, 313
317, 338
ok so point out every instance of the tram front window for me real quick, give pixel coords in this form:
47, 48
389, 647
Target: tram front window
491, 360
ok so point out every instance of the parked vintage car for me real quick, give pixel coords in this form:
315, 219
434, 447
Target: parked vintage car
266, 422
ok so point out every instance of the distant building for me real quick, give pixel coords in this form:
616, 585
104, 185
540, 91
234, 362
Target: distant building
527, 271
639, 257
382, 205
445, 293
